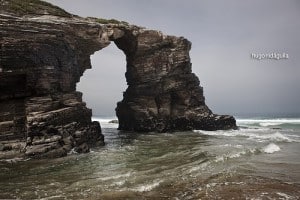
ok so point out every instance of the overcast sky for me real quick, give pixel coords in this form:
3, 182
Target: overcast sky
223, 36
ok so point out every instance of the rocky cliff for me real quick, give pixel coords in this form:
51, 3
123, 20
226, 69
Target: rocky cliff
163, 94
44, 52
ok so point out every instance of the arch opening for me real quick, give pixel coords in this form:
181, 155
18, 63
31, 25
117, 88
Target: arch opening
162, 94
104, 84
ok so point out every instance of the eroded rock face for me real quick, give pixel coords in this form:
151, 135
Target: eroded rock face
163, 94
42, 59
43, 55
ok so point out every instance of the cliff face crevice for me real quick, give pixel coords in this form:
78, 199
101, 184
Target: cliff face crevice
43, 56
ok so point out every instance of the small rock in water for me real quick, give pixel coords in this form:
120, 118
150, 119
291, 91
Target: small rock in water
114, 121
83, 148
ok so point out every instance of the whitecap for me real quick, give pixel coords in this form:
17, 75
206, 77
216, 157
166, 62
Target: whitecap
209, 185
271, 148
222, 133
285, 196
245, 152
116, 176
72, 152
201, 167
119, 183
257, 135
147, 187
53, 197
103, 119
270, 123
275, 137
105, 122
233, 145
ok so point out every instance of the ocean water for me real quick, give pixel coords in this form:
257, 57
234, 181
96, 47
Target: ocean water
259, 161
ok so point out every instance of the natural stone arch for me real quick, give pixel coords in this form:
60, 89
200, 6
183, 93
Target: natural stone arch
46, 55
163, 94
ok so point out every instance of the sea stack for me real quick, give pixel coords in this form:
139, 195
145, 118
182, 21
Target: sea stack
44, 52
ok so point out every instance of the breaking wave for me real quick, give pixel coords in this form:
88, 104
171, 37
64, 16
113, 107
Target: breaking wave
147, 187
106, 122
276, 122
271, 148
257, 135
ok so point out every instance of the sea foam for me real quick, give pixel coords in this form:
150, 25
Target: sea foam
116, 176
255, 134
271, 148
268, 122
105, 122
245, 152
147, 187
275, 137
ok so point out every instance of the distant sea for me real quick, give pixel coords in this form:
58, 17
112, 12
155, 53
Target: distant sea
259, 161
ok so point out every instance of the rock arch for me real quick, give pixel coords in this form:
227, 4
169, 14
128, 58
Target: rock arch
163, 94
42, 59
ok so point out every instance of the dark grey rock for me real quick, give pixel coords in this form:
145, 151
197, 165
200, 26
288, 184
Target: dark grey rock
83, 148
114, 121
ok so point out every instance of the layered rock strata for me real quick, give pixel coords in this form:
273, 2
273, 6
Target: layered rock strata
163, 94
43, 56
45, 51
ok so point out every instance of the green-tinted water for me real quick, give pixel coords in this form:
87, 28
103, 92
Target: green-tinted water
247, 163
